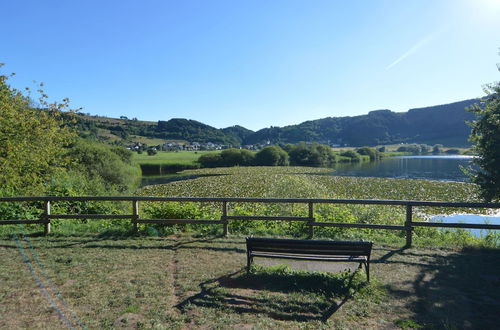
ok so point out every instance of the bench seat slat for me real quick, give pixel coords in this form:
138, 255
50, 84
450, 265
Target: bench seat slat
309, 256
311, 251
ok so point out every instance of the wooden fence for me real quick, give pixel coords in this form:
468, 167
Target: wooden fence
408, 226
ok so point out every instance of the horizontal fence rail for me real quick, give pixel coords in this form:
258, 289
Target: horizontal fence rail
408, 226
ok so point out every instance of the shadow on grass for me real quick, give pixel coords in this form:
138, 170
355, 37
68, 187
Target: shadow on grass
277, 292
457, 291
138, 243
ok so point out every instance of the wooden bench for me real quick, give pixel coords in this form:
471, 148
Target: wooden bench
335, 251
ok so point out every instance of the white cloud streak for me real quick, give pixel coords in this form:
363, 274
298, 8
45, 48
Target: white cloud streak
412, 50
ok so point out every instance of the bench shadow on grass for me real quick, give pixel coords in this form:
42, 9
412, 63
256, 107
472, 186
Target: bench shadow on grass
459, 290
296, 296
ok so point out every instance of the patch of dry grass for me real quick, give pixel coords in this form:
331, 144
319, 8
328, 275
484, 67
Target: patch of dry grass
189, 282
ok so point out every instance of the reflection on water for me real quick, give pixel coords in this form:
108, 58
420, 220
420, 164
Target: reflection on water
443, 168
469, 218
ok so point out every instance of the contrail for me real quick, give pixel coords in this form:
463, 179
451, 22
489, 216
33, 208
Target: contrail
412, 50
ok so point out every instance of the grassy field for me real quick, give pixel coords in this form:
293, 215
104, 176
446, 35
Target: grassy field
184, 282
170, 157
146, 140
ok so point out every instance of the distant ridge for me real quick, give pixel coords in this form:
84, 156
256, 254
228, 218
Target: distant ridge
444, 124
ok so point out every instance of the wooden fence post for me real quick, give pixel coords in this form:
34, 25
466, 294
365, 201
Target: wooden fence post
46, 216
408, 225
311, 220
135, 214
224, 218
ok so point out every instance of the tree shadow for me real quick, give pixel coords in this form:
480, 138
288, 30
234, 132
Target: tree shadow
114, 243
276, 294
455, 291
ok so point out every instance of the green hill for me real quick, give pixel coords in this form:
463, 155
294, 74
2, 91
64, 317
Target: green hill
444, 124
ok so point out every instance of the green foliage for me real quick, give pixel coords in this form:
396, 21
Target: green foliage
33, 139
194, 131
210, 160
99, 161
437, 124
271, 156
353, 155
237, 157
227, 158
416, 149
437, 149
315, 155
486, 137
371, 152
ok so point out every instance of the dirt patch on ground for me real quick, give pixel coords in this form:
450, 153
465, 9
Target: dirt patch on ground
129, 321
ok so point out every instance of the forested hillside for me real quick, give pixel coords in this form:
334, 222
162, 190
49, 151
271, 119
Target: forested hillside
444, 124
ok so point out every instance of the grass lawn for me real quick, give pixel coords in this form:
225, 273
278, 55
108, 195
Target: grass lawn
146, 140
170, 157
102, 281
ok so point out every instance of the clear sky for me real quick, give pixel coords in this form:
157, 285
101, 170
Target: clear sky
253, 63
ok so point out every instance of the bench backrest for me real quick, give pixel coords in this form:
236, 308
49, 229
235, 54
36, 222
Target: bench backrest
318, 247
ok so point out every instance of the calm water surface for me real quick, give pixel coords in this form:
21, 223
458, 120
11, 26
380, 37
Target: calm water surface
442, 168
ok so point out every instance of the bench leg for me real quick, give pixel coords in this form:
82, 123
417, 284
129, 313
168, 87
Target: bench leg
249, 262
367, 267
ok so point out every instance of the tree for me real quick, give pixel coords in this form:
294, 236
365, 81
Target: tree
315, 155
237, 157
367, 151
437, 148
112, 166
33, 140
271, 156
486, 137
210, 160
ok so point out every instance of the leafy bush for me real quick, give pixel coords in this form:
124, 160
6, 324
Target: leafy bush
371, 152
101, 162
353, 155
210, 160
32, 140
315, 155
227, 158
271, 156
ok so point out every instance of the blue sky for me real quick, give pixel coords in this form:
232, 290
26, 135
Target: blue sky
252, 63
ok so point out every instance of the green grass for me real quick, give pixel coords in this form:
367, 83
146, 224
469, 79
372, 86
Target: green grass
178, 282
170, 157
146, 140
